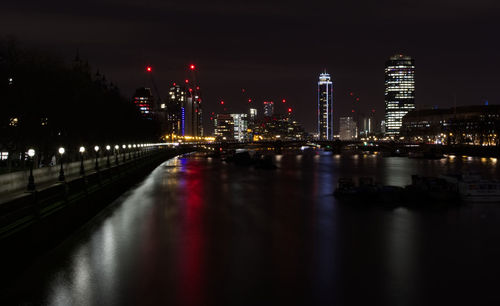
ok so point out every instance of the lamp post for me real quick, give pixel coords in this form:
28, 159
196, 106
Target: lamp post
31, 179
82, 168
135, 151
124, 153
129, 152
96, 149
61, 171
107, 153
116, 154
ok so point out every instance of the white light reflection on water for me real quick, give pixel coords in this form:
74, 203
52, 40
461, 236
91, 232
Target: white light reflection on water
199, 230
98, 276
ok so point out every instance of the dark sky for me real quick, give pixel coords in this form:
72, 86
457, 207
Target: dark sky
276, 49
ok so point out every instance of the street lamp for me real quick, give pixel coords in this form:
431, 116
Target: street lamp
116, 154
107, 153
82, 169
135, 151
61, 171
31, 179
129, 150
96, 149
124, 152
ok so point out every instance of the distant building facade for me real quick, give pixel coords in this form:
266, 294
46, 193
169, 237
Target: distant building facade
367, 127
252, 114
184, 112
347, 128
325, 107
473, 125
278, 127
176, 114
143, 100
399, 91
224, 127
240, 123
268, 108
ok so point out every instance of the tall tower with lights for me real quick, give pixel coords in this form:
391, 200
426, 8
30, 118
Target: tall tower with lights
325, 107
399, 91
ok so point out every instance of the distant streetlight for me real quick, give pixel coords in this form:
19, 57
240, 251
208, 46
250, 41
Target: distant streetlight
117, 147
129, 152
61, 171
31, 179
124, 152
135, 151
107, 153
82, 168
96, 149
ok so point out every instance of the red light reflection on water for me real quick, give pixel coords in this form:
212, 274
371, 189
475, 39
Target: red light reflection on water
191, 270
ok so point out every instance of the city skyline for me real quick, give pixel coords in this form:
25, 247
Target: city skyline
232, 53
321, 152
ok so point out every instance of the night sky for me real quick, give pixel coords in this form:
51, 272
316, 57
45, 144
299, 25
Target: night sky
276, 49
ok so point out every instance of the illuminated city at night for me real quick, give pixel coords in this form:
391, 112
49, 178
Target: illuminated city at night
249, 153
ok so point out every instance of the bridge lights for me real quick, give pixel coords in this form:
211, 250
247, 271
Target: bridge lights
31, 179
61, 170
82, 169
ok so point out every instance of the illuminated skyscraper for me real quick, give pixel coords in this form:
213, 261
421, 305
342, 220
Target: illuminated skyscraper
176, 113
325, 107
399, 91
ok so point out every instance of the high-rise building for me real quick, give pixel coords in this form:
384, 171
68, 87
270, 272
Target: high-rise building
177, 97
367, 126
399, 91
325, 107
268, 108
240, 122
143, 99
224, 127
348, 129
253, 113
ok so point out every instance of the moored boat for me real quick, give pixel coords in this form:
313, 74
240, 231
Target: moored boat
474, 188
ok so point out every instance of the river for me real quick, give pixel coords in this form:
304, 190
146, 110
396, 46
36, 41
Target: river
198, 231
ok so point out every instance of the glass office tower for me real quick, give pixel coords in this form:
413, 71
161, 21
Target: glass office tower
399, 91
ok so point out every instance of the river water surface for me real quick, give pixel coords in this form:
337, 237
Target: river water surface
199, 231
